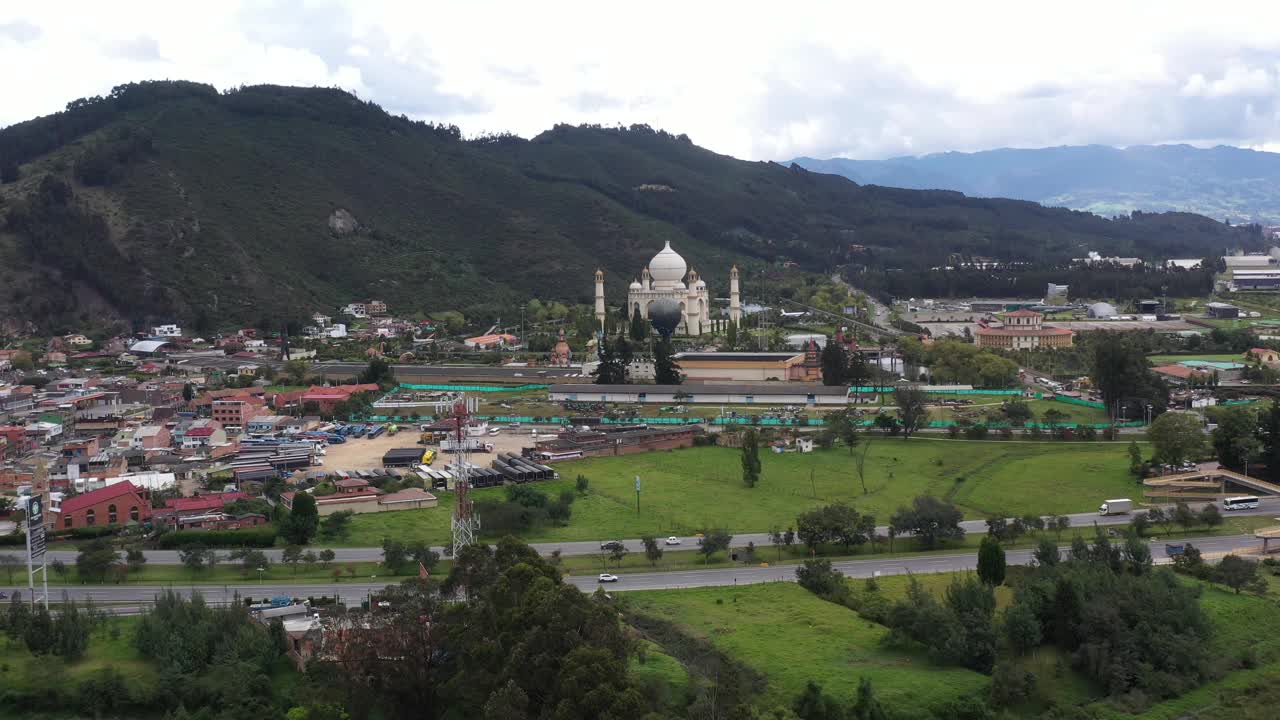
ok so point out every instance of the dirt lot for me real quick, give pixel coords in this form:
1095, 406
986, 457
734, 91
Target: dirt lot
364, 454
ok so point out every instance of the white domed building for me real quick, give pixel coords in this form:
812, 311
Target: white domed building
668, 277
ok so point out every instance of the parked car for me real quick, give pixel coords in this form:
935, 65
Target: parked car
607, 577
608, 544
673, 540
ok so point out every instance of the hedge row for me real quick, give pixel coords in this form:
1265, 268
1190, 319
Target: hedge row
262, 537
13, 539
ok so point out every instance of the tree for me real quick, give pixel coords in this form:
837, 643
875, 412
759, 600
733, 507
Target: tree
1018, 411
251, 560
1269, 434
394, 555
813, 704
860, 461
292, 555
188, 392
1239, 574
136, 559
638, 329
991, 561
1046, 553
95, 560
1231, 439
666, 371
1210, 517
1135, 457
193, 557
336, 524
302, 521
652, 550
1123, 377
582, 484
1157, 516
835, 363
912, 408
611, 368
296, 371
865, 705
1022, 628
750, 457
887, 424
9, 563
1053, 417
1140, 523
1184, 517
1176, 437
929, 519
714, 541
377, 372
327, 556
310, 559
819, 578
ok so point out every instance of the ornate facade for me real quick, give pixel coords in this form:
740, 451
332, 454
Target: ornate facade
667, 277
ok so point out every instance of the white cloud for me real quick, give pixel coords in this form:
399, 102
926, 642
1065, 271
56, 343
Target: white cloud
756, 80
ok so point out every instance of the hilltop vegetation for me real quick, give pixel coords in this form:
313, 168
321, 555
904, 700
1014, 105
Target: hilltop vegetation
172, 201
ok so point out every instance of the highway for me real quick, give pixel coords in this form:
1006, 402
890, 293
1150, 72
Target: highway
132, 598
1267, 506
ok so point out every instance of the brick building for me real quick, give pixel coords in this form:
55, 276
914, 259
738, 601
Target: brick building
234, 413
117, 504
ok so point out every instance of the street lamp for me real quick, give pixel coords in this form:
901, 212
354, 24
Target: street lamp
260, 571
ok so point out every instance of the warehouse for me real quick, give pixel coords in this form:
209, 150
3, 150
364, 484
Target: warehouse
745, 367
714, 394
402, 457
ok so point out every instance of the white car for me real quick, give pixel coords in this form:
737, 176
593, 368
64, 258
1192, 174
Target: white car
673, 540
607, 577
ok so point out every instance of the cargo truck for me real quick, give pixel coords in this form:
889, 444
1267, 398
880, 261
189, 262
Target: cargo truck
1119, 506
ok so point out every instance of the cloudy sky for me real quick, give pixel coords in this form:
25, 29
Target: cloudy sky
758, 81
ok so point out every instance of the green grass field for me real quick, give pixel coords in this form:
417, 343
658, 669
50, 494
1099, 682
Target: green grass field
684, 491
1211, 357
792, 637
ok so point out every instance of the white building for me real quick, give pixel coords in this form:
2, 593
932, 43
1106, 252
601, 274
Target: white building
169, 330
665, 279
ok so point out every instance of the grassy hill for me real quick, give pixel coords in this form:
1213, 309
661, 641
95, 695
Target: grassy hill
168, 200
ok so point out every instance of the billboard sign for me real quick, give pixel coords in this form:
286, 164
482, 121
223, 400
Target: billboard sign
35, 530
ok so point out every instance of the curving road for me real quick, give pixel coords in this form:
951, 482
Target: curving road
133, 598
1268, 506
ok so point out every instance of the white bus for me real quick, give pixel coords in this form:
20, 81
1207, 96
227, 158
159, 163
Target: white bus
1244, 502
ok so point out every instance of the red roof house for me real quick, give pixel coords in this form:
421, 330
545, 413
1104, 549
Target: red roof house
116, 504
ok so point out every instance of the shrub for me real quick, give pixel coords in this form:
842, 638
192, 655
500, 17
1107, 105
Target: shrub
262, 537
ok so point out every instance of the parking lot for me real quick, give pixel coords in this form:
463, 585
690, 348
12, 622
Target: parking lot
362, 453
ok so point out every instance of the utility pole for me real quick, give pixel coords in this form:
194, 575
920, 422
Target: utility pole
637, 494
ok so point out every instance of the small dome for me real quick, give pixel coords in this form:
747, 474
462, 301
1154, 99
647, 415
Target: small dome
679, 286
635, 285
667, 266
700, 284
1103, 310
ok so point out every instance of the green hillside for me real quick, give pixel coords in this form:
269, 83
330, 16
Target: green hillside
171, 201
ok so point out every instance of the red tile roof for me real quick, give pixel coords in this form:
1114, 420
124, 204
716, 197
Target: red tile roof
1179, 371
90, 499
1259, 351
204, 502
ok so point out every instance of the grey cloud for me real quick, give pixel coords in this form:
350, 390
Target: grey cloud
140, 49
591, 101
20, 31
868, 109
324, 30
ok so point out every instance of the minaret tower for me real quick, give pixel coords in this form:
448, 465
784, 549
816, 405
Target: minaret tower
600, 299
735, 303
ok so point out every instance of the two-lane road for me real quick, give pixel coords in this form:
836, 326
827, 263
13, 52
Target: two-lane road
1268, 506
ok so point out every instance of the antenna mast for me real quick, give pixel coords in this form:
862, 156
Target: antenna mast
464, 521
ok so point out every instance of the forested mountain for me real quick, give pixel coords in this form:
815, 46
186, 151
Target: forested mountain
1222, 182
172, 201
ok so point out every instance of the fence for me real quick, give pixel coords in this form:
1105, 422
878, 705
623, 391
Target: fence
1077, 401
474, 388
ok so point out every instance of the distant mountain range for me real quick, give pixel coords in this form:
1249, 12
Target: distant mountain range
1220, 182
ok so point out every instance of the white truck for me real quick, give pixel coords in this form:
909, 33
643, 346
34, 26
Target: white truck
1119, 506
470, 444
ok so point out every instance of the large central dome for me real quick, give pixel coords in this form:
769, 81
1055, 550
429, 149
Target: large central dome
667, 266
